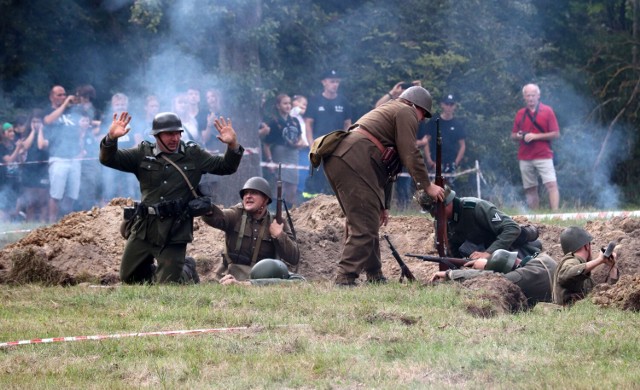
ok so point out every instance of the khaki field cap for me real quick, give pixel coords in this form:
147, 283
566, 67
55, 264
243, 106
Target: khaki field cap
573, 238
418, 96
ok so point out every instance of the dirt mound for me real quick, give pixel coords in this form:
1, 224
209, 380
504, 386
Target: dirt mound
87, 246
492, 295
623, 295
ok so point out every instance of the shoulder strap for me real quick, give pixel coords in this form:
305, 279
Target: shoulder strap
186, 179
362, 130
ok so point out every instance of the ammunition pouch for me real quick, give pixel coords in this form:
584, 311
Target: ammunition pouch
129, 214
391, 162
167, 209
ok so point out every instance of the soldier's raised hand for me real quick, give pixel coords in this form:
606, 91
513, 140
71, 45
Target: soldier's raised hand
120, 125
226, 132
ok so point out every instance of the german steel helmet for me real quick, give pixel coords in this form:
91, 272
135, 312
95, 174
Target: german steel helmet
268, 269
501, 261
418, 96
572, 238
259, 184
166, 121
427, 204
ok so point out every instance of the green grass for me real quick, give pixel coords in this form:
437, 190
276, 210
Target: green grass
392, 336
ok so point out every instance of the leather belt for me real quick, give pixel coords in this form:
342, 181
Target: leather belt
360, 129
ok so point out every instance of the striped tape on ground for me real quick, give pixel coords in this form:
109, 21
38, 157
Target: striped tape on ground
137, 334
581, 216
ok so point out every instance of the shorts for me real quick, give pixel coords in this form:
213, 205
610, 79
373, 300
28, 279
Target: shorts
64, 178
530, 169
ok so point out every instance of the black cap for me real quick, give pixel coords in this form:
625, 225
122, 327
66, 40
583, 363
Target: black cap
449, 99
330, 74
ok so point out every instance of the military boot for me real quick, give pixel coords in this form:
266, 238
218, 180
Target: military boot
190, 270
376, 278
345, 280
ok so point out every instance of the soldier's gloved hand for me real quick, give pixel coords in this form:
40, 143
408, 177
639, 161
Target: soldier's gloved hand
200, 206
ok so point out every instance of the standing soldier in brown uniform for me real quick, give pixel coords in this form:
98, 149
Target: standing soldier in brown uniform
162, 226
363, 184
251, 233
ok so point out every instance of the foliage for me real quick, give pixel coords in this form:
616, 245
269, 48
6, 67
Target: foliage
581, 53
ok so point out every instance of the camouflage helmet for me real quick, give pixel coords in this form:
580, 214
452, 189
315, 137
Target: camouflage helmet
259, 184
428, 204
573, 238
164, 122
269, 269
501, 261
418, 96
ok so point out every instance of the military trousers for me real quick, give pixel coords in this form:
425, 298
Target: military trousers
138, 266
362, 210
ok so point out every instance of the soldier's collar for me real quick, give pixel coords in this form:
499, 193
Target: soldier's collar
457, 204
156, 150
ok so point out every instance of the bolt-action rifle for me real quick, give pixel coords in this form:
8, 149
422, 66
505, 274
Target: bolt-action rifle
442, 241
279, 195
404, 270
446, 262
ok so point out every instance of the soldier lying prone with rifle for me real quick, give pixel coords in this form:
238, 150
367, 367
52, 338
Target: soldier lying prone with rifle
476, 228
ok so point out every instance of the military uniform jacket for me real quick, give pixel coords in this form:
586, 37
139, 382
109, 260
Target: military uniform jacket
571, 283
534, 278
160, 182
393, 124
238, 262
481, 223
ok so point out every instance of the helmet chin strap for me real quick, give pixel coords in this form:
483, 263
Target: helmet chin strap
164, 145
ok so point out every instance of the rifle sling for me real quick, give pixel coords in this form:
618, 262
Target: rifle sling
186, 179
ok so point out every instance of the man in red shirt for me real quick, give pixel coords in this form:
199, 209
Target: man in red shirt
533, 128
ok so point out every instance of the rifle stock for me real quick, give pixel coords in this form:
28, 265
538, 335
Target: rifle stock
405, 272
279, 195
442, 245
447, 262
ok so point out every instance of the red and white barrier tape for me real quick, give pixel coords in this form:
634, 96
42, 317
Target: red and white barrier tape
16, 231
581, 216
137, 334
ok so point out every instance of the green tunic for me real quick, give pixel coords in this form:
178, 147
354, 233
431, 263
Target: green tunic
153, 236
481, 223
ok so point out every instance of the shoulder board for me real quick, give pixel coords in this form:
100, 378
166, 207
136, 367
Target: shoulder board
145, 143
468, 204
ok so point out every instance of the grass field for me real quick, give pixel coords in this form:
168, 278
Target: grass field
393, 336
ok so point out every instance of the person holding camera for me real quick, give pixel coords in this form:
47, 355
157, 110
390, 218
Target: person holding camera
572, 278
397, 91
361, 171
168, 170
64, 143
534, 127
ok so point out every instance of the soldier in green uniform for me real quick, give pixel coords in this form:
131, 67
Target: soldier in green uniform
572, 280
533, 275
251, 233
476, 228
163, 226
362, 181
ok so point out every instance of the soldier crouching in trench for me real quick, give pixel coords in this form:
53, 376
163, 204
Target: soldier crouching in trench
256, 245
162, 225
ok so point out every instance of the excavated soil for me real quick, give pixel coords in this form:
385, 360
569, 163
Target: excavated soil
87, 247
